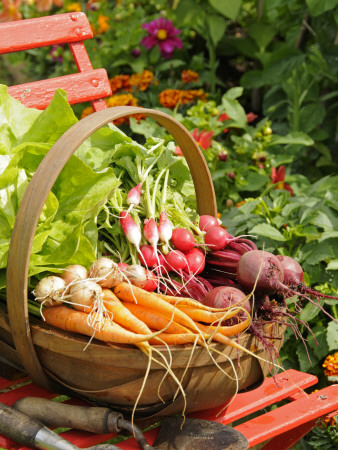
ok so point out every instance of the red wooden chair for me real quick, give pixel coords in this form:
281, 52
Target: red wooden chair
72, 29
280, 428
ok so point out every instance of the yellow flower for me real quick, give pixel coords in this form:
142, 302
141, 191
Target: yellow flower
331, 365
75, 7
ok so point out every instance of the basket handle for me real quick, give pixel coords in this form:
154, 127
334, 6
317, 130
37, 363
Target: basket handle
34, 199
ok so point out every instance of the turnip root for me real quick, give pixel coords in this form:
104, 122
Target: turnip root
50, 291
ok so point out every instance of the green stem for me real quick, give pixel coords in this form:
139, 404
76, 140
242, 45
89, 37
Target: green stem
149, 208
155, 190
164, 191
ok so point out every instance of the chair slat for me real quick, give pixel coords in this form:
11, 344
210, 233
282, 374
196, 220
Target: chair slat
39, 32
80, 87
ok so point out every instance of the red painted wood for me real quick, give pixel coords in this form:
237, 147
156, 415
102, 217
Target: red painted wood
4, 384
81, 57
286, 440
44, 31
288, 383
290, 416
80, 87
29, 390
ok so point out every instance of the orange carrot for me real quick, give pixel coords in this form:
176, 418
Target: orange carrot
133, 294
184, 301
155, 320
207, 316
225, 331
122, 315
77, 322
176, 339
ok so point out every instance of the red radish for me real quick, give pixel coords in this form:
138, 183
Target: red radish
226, 296
152, 281
207, 222
150, 232
216, 238
147, 256
130, 229
183, 239
162, 266
195, 261
134, 195
176, 261
122, 266
164, 228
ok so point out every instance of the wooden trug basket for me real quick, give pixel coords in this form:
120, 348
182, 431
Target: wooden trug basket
113, 375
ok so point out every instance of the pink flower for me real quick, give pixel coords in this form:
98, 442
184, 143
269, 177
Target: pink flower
250, 117
278, 177
161, 32
178, 151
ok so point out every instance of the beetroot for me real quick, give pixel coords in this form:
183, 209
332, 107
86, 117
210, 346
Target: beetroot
294, 277
293, 272
263, 269
226, 296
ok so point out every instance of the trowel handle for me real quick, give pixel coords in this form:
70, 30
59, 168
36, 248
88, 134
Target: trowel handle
30, 432
53, 414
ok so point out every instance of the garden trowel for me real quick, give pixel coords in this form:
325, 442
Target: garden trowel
174, 434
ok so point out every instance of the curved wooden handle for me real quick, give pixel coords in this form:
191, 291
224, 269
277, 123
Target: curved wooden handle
37, 193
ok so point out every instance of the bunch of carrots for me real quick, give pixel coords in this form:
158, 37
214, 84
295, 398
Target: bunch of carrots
108, 305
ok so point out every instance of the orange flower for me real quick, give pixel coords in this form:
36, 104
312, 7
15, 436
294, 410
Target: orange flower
103, 24
331, 365
124, 100
169, 98
142, 80
120, 83
10, 11
46, 5
87, 111
188, 76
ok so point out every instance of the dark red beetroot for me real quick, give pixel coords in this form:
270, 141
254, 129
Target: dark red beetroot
293, 272
263, 271
262, 268
294, 277
226, 296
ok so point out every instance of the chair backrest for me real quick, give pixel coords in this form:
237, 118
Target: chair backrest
72, 28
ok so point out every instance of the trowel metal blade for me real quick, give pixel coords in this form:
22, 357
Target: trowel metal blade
198, 434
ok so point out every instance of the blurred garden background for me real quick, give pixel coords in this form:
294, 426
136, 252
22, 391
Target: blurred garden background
256, 83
